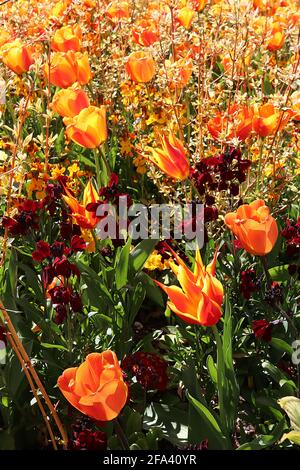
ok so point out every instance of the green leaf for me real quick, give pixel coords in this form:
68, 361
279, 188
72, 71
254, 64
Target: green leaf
54, 346
208, 423
141, 253
171, 421
122, 265
280, 273
212, 369
263, 441
291, 406
136, 301
282, 345
293, 436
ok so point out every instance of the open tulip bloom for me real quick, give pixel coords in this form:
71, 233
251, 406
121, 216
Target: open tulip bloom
199, 298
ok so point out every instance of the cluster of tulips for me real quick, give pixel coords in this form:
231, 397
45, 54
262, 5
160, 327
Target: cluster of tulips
151, 101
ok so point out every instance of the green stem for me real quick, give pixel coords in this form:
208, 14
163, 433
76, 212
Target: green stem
98, 169
220, 376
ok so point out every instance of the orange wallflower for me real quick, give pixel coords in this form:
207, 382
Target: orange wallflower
267, 118
171, 158
254, 227
140, 66
88, 128
200, 297
145, 32
70, 101
16, 56
85, 219
96, 387
185, 17
238, 123
178, 72
277, 38
118, 10
67, 38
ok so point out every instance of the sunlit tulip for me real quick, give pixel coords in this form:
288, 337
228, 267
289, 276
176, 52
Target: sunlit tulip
178, 72
63, 69
277, 38
185, 17
67, 38
70, 101
171, 158
267, 118
118, 10
5, 36
200, 297
85, 219
88, 128
16, 56
59, 8
145, 33
235, 124
84, 73
198, 5
140, 66
96, 387
254, 227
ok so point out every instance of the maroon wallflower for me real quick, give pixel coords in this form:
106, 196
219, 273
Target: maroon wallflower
85, 438
78, 243
149, 369
3, 335
262, 330
42, 251
249, 283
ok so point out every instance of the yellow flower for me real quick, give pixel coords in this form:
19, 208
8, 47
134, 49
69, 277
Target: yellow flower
57, 172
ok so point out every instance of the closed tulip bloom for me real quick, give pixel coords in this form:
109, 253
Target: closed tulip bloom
70, 101
96, 388
88, 128
63, 69
171, 158
140, 66
237, 123
85, 219
185, 17
118, 10
199, 298
277, 38
16, 56
254, 227
267, 119
67, 38
84, 74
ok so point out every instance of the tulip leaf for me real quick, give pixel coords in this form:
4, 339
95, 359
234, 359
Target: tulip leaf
291, 406
136, 301
293, 436
141, 253
282, 345
280, 273
122, 263
212, 369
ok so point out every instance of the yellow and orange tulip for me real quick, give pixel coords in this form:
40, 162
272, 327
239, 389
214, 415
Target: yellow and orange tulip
84, 74
67, 38
63, 69
70, 101
199, 299
118, 10
237, 123
254, 227
171, 158
88, 128
277, 38
85, 219
145, 33
268, 119
96, 387
185, 17
140, 66
17, 56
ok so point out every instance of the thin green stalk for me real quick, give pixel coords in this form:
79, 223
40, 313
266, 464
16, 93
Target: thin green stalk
220, 376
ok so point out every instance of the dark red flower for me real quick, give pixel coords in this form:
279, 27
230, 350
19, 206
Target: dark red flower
62, 267
3, 335
262, 330
78, 243
42, 251
249, 283
76, 303
149, 369
85, 438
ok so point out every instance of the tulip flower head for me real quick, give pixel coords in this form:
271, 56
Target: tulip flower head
268, 119
140, 66
67, 38
254, 227
16, 56
96, 387
88, 128
185, 17
85, 219
69, 102
171, 158
199, 299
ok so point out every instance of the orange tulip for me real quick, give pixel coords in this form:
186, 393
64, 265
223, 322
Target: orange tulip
140, 66
67, 38
85, 219
277, 38
198, 5
254, 227
145, 33
238, 123
185, 17
88, 128
70, 101
63, 69
199, 299
84, 73
4, 36
16, 56
96, 387
179, 72
171, 158
118, 10
267, 118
